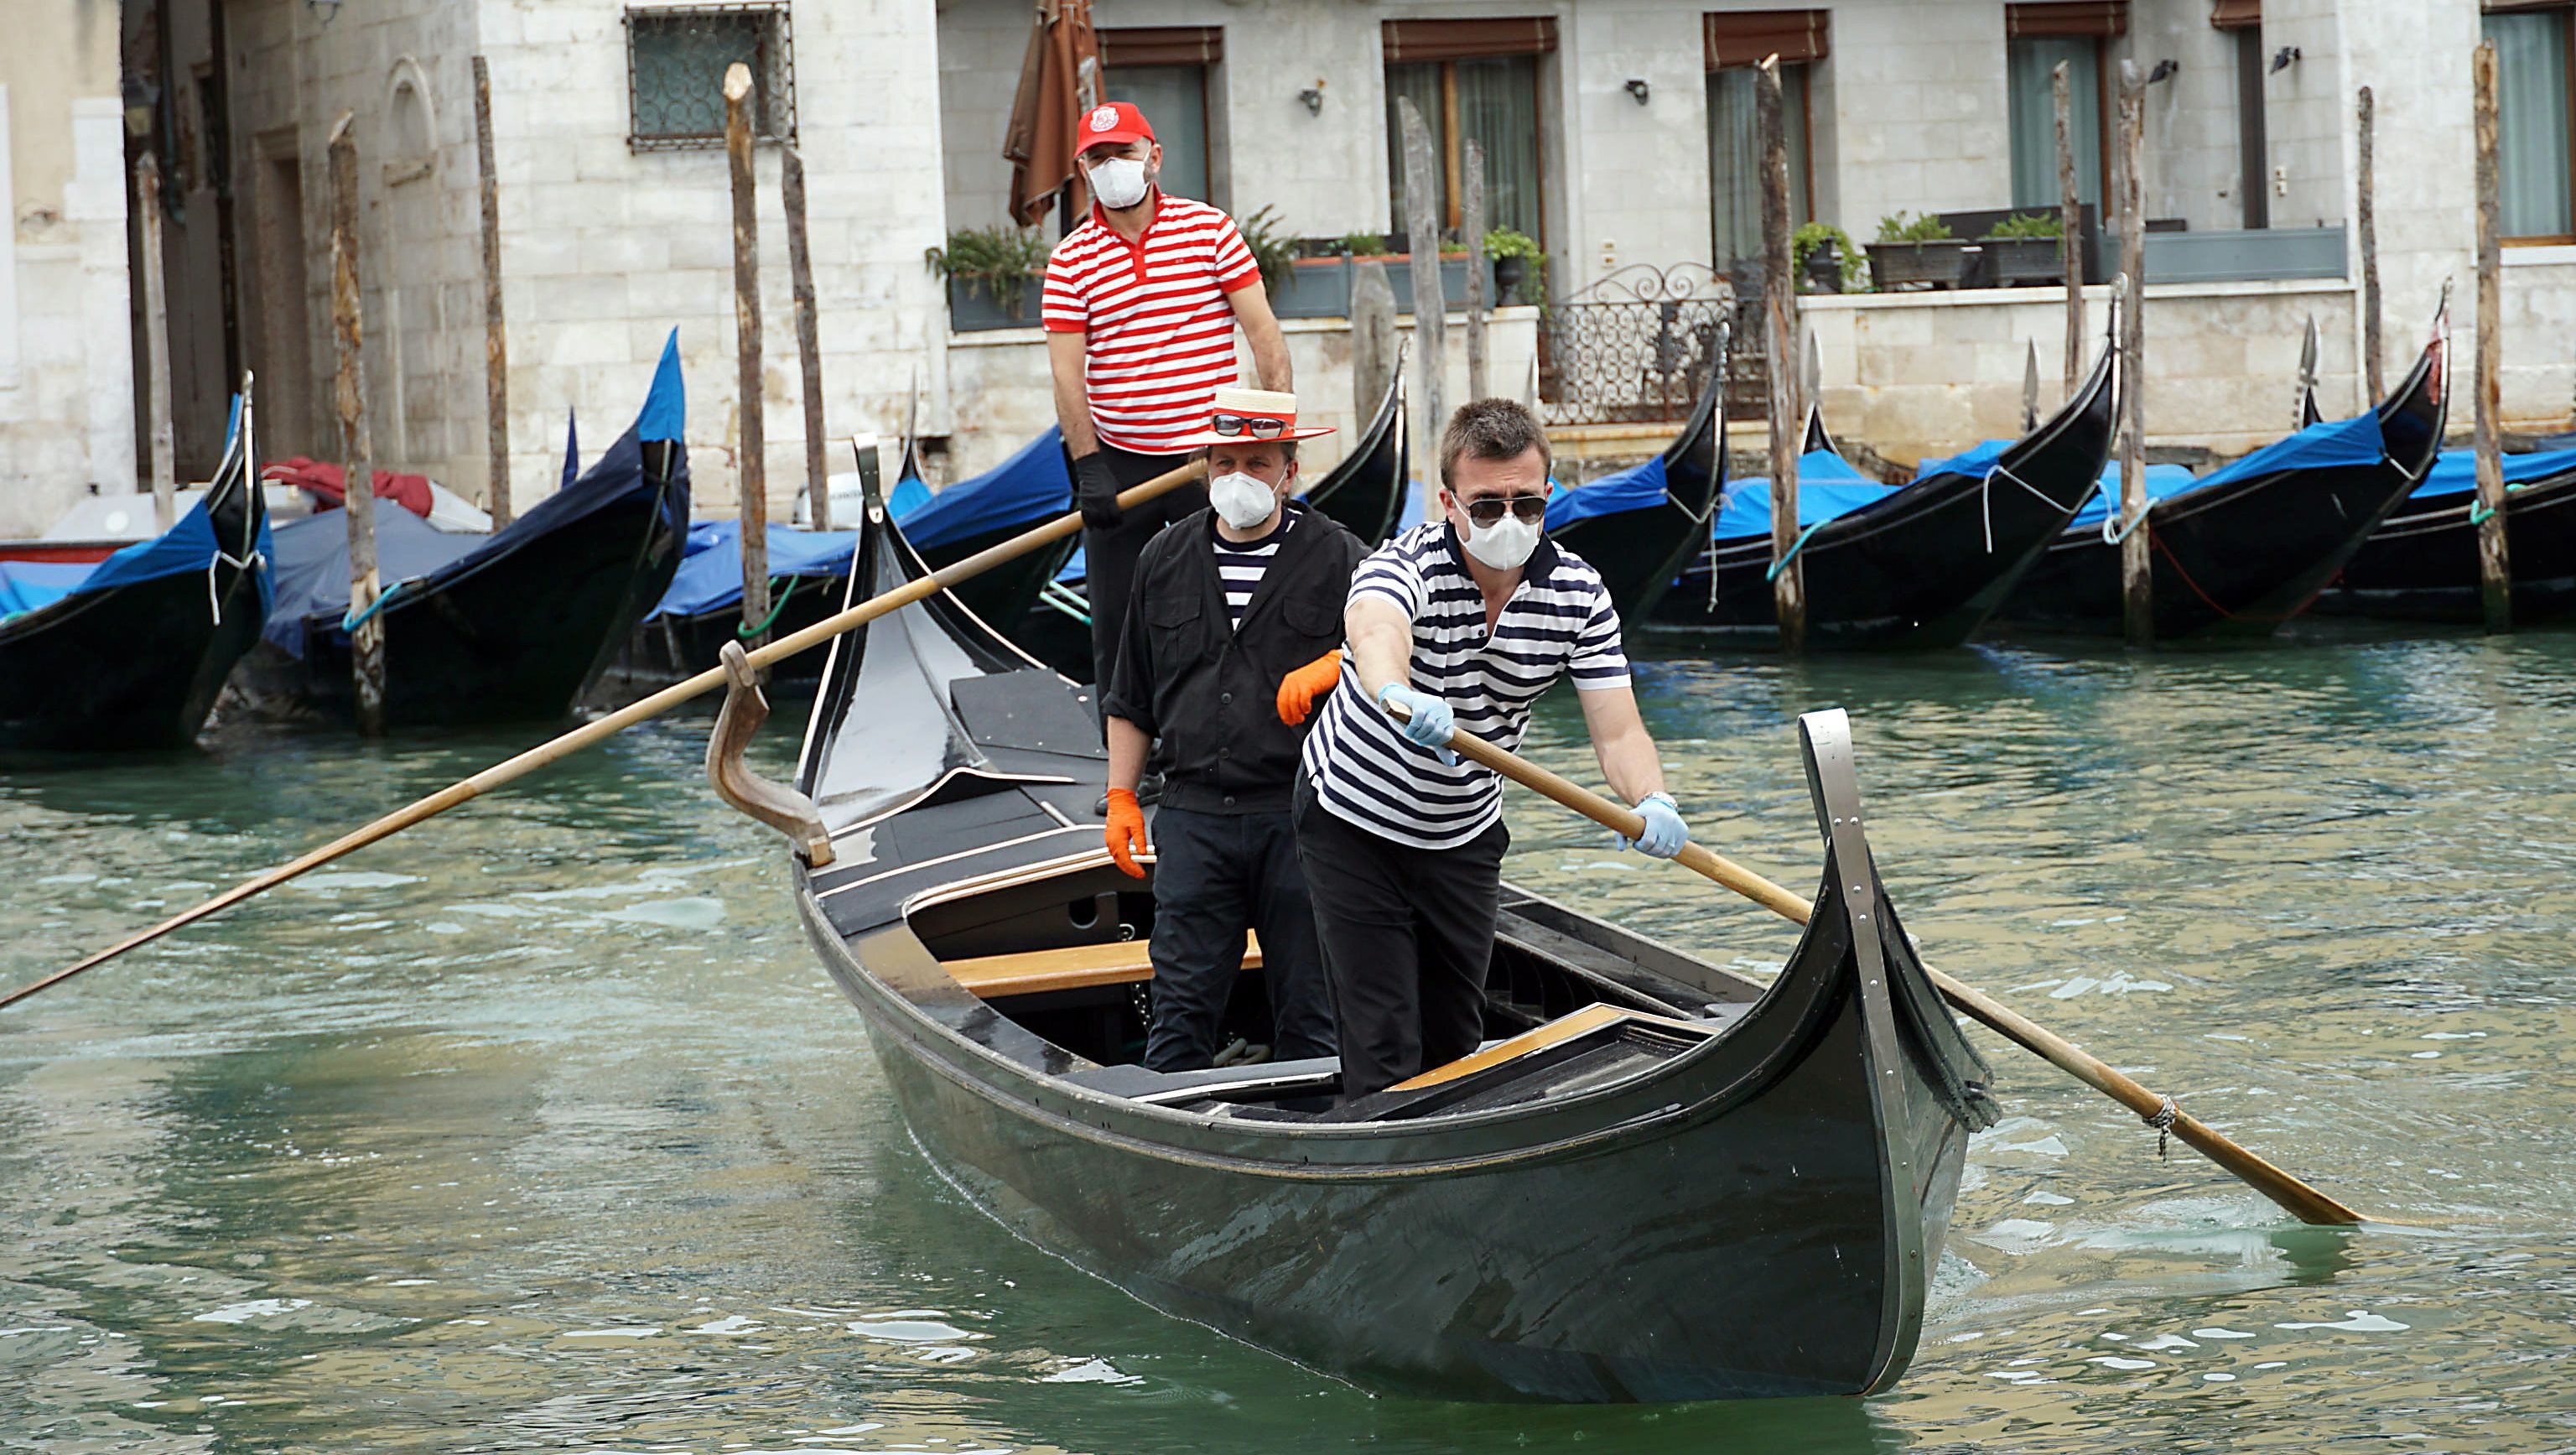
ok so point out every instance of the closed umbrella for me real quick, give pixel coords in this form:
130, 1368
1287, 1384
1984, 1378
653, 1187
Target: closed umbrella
1059, 80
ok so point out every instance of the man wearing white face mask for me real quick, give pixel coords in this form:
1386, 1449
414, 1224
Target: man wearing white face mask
1236, 618
1463, 621
1141, 306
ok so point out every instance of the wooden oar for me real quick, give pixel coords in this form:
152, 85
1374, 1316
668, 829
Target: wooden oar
616, 722
2303, 1202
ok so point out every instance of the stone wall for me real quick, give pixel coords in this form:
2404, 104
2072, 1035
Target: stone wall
66, 368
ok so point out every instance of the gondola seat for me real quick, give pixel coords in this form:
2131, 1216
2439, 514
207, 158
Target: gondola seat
1074, 967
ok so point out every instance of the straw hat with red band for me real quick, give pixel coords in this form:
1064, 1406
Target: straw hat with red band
1246, 416
1111, 123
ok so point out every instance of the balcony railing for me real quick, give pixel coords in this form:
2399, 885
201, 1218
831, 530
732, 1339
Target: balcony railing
1637, 347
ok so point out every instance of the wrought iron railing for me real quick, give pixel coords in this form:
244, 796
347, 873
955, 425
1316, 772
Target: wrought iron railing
676, 57
1637, 347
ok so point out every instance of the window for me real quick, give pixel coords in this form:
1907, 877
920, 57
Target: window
675, 67
2037, 37
2532, 120
1736, 43
1471, 79
2243, 22
1162, 70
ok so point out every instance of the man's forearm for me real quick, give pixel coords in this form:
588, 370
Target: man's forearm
1128, 745
1632, 766
1270, 357
1381, 646
1072, 402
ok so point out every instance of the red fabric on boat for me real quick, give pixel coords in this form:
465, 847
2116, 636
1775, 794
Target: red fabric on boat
329, 482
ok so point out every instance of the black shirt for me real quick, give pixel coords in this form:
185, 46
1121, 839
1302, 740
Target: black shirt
1206, 687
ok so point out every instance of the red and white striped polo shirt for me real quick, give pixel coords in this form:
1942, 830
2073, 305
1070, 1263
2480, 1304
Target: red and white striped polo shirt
1161, 333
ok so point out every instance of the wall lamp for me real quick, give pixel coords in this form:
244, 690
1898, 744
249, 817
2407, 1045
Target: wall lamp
2164, 70
2282, 58
1637, 87
1313, 96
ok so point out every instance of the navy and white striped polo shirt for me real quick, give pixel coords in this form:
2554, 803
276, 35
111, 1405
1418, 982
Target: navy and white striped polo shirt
1558, 623
1239, 568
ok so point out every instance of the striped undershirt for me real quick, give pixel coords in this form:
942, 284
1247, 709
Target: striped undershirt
1239, 567
1159, 328
1558, 623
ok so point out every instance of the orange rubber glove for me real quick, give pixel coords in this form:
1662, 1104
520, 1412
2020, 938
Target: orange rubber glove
1299, 689
1126, 833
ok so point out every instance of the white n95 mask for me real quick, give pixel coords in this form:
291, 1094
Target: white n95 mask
1505, 544
1119, 183
1242, 501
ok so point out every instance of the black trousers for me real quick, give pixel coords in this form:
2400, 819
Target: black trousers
1216, 875
1109, 556
1407, 935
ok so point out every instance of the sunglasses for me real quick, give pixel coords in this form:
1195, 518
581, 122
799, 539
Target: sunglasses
1258, 426
1489, 511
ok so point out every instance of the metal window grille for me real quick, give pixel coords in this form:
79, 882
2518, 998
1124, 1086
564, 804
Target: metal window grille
676, 57
1636, 347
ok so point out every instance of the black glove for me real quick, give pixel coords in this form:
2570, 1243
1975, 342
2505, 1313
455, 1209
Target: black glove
1095, 492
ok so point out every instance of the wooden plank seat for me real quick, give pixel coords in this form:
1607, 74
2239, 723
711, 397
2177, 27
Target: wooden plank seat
1564, 1028
1074, 967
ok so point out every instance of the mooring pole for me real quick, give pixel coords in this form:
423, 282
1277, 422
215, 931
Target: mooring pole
357, 449
2365, 214
2495, 568
496, 334
2137, 568
751, 474
1430, 308
2070, 232
809, 335
156, 345
1779, 344
1373, 353
1471, 209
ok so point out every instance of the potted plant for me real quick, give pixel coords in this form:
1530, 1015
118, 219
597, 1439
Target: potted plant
1914, 250
993, 275
2022, 248
1517, 260
1825, 256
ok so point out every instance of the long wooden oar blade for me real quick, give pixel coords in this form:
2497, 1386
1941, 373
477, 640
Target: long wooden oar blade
613, 723
2300, 1200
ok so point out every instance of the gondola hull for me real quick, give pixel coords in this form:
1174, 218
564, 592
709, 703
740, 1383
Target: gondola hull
2422, 562
1923, 568
1639, 552
2239, 559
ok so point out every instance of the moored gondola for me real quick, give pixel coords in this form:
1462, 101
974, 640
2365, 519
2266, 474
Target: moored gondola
1640, 526
1662, 1181
496, 628
2248, 546
130, 651
1914, 566
2421, 564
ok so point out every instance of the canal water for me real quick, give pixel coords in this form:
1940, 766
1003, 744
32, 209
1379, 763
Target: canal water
539, 1129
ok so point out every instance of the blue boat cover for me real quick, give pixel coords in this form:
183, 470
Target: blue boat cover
710, 575
2353, 441
1029, 487
312, 555
1828, 488
2456, 471
2163, 481
1975, 460
911, 493
189, 545
1634, 488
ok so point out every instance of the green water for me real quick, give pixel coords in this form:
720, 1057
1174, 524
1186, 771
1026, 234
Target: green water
538, 1128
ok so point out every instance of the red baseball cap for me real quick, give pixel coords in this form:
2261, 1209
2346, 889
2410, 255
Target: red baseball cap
1111, 123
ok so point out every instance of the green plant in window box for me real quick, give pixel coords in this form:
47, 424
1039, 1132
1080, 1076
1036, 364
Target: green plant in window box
1517, 259
2025, 225
996, 262
1273, 251
1904, 227
2022, 248
1913, 251
1840, 268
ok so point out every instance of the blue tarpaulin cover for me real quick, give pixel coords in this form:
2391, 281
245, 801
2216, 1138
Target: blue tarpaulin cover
1022, 491
1634, 488
2455, 471
1828, 487
312, 555
2353, 441
2162, 481
1975, 460
710, 576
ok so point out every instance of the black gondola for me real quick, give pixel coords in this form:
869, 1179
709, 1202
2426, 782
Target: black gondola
1365, 492
1639, 550
134, 653
2421, 564
1925, 565
481, 629
1665, 1182
2246, 549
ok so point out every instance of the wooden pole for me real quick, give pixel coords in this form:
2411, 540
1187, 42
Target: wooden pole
2365, 212
809, 336
496, 333
1779, 340
2302, 1201
2070, 232
156, 346
1430, 309
357, 448
1373, 351
556, 749
2495, 573
2137, 567
1472, 207
751, 471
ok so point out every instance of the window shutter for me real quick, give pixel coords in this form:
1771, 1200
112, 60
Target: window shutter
2236, 14
1162, 45
2102, 19
1746, 37
1460, 40
2492, 7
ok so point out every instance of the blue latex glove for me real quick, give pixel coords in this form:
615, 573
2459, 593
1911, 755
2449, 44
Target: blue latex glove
1430, 723
1665, 833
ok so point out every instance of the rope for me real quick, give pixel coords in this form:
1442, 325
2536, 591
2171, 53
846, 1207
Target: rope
1063, 598
353, 619
2479, 514
1986, 502
2162, 1119
249, 561
747, 632
1795, 546
2111, 537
